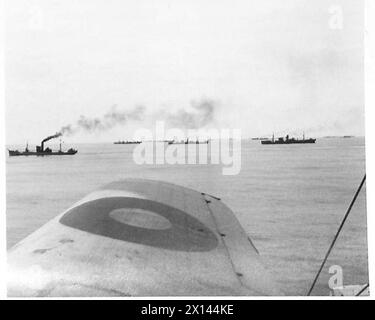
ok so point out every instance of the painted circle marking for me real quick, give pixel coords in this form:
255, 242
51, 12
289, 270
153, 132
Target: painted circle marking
142, 218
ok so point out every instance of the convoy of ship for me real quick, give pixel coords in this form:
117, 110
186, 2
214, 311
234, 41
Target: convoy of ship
156, 242
42, 151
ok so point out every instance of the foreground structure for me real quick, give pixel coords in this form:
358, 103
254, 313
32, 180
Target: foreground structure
140, 238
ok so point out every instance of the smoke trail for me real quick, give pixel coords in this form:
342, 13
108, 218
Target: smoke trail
110, 119
202, 114
56, 135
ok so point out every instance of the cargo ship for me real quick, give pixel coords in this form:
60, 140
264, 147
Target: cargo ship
288, 140
259, 138
41, 151
187, 141
127, 142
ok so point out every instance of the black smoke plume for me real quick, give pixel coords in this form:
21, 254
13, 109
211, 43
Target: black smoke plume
110, 119
202, 114
56, 135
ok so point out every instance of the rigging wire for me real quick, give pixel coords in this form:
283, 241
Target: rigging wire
362, 290
337, 234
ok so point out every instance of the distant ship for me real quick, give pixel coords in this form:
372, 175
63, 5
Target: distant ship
331, 137
127, 142
40, 151
187, 141
288, 140
260, 138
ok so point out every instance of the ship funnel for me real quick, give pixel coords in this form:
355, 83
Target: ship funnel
56, 135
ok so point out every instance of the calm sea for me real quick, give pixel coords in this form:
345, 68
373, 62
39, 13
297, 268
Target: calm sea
290, 199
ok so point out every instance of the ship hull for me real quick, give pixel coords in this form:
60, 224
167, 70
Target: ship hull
137, 142
288, 142
203, 142
13, 153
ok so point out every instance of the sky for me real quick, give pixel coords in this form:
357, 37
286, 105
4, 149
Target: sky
283, 66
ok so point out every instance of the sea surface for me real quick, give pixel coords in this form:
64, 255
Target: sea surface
290, 199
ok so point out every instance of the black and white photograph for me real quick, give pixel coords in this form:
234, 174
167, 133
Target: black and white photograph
159, 148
